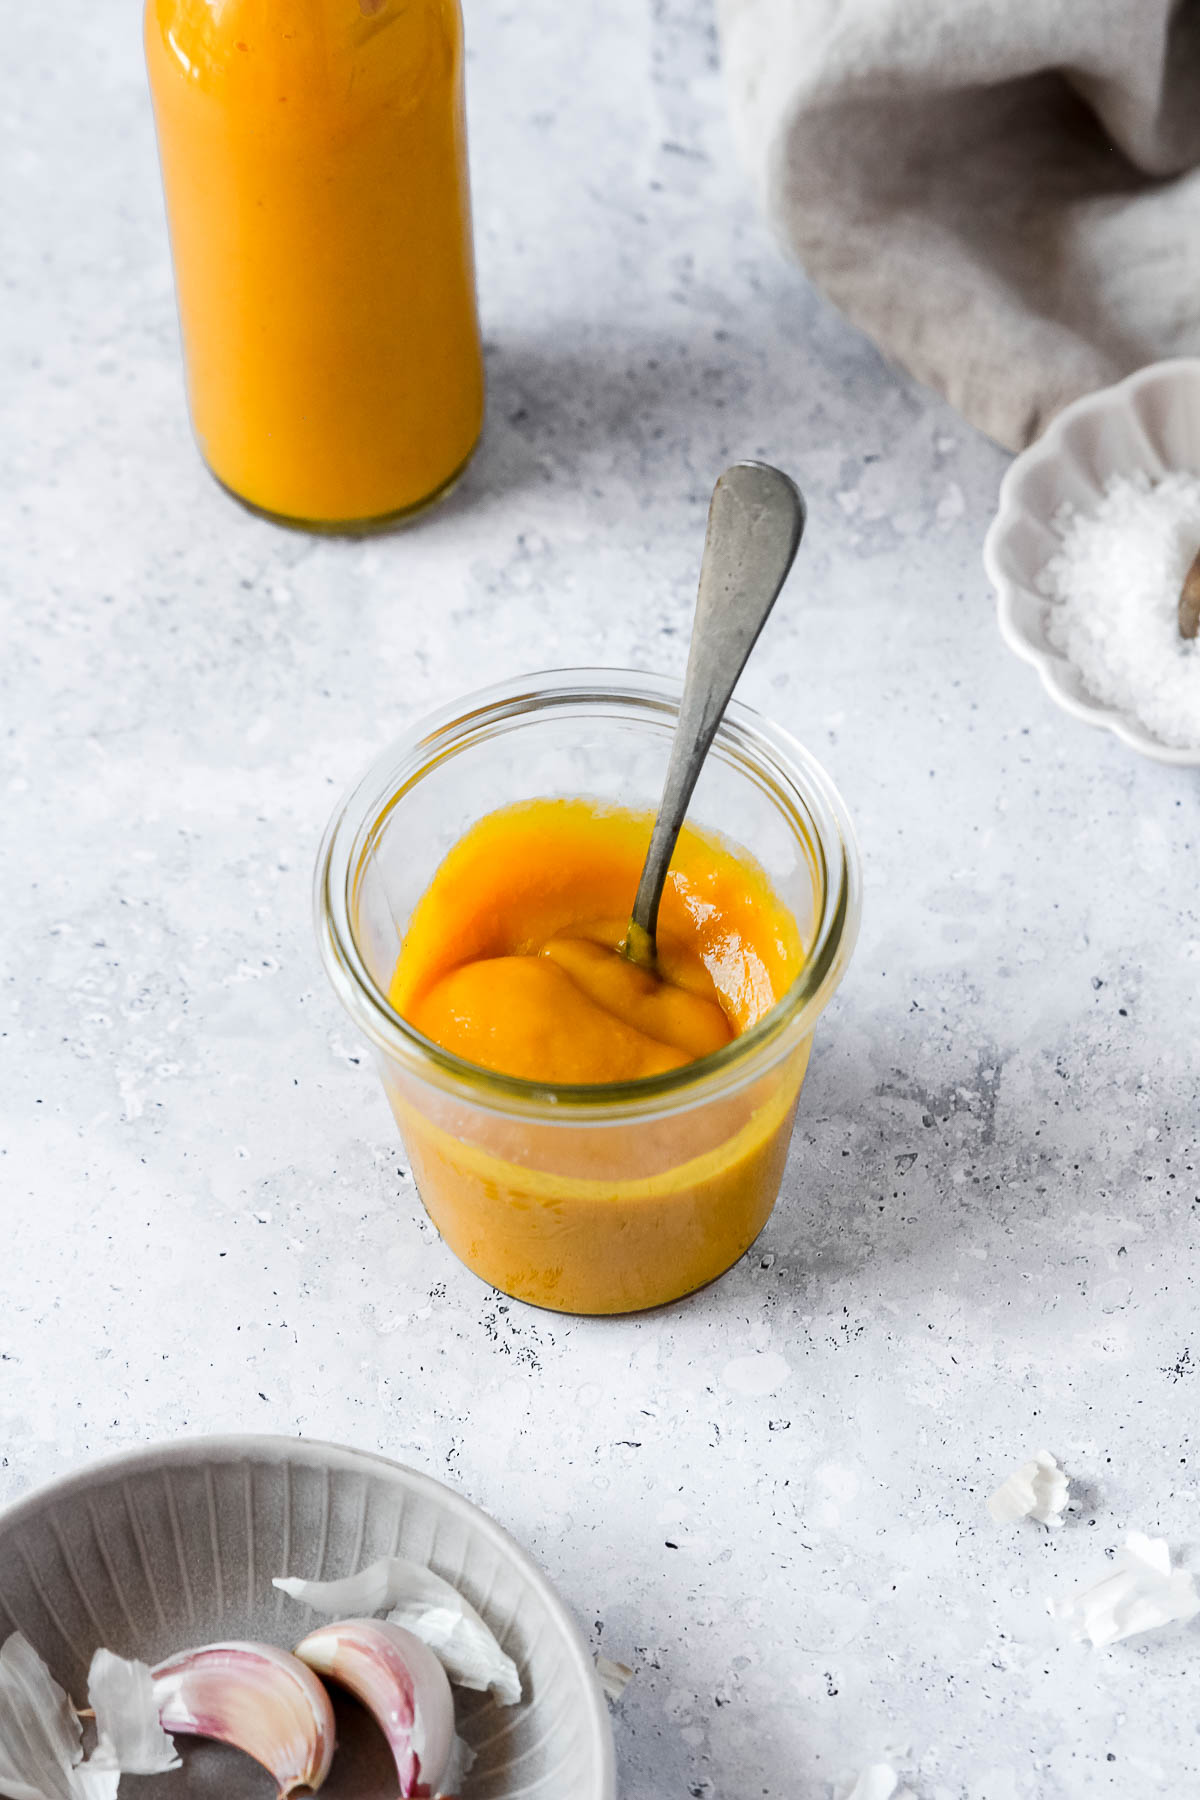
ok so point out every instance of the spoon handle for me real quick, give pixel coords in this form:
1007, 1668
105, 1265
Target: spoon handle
755, 523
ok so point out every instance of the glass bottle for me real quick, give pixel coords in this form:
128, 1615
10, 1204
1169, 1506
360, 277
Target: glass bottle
315, 170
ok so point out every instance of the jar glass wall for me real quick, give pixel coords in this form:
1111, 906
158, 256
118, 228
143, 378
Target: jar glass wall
606, 1198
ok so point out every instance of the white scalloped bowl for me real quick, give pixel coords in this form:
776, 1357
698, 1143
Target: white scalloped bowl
176, 1545
1150, 422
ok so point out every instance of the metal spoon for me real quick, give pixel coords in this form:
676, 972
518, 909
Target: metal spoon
1189, 601
755, 523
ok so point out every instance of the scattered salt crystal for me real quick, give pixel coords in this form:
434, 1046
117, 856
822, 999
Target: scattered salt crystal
1115, 591
879, 1782
950, 507
1142, 1592
1037, 1490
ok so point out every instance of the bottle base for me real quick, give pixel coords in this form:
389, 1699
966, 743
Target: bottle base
395, 520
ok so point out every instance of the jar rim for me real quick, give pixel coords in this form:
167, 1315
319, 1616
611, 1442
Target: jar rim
747, 738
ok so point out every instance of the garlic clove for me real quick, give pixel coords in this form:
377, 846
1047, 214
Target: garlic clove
403, 1686
257, 1698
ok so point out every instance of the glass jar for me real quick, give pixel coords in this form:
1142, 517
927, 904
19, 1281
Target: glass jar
315, 170
609, 1198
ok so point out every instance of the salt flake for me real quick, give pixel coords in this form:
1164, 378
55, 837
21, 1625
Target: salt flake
878, 1782
1142, 1593
1037, 1490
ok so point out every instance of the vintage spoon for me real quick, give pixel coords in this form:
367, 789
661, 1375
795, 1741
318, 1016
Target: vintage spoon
755, 523
1189, 601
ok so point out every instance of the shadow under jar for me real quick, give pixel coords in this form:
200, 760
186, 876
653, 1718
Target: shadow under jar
314, 164
615, 1197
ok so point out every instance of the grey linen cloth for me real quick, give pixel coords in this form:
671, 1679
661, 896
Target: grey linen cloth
1002, 193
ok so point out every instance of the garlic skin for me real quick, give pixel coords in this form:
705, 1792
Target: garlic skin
257, 1698
90, 1783
1037, 1490
461, 1761
403, 1686
128, 1732
879, 1782
41, 1746
614, 1677
1142, 1593
433, 1610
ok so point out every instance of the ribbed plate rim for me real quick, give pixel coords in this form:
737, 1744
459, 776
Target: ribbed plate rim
193, 1451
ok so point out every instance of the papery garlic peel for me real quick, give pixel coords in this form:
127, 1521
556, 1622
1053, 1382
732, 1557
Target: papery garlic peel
1141, 1593
1037, 1490
261, 1700
40, 1739
614, 1677
879, 1782
129, 1732
423, 1603
403, 1686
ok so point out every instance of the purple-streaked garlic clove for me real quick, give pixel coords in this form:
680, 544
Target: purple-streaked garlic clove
261, 1700
402, 1685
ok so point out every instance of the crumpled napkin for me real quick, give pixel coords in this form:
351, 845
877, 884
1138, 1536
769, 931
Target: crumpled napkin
1002, 193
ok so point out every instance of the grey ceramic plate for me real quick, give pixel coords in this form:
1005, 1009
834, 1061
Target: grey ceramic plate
176, 1545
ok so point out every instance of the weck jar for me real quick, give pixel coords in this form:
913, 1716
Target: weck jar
618, 1196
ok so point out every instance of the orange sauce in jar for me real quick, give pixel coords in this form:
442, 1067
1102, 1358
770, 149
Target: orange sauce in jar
510, 960
314, 164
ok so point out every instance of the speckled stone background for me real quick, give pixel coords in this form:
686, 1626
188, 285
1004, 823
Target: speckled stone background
770, 1498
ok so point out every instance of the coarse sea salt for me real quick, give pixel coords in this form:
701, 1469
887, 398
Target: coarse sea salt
1114, 588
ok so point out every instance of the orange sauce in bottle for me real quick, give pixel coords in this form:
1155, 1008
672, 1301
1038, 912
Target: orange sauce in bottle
314, 164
